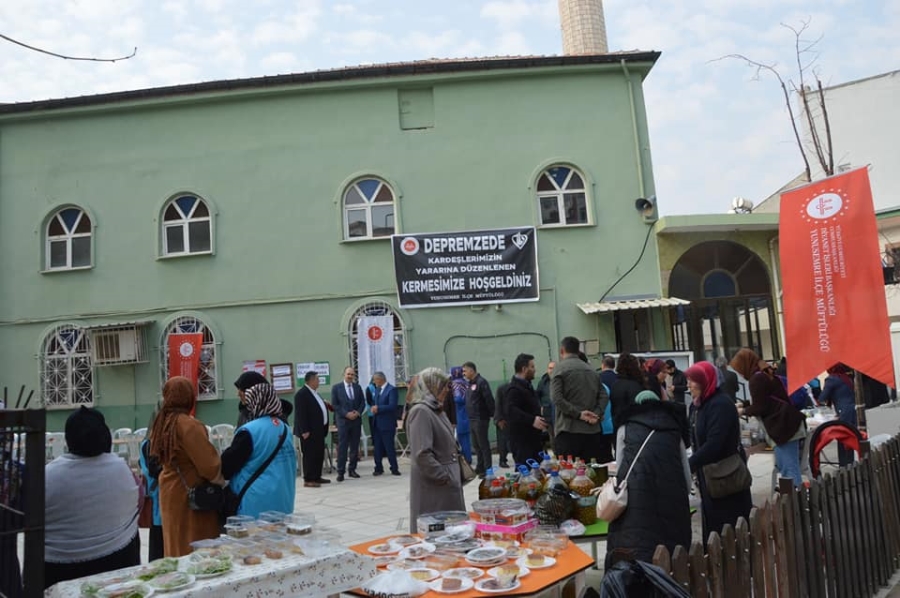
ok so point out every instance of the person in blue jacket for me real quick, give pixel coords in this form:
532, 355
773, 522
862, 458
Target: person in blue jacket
458, 385
838, 392
150, 468
265, 434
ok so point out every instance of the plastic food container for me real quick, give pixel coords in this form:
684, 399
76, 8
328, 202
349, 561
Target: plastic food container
547, 533
437, 523
501, 511
299, 524
273, 516
441, 562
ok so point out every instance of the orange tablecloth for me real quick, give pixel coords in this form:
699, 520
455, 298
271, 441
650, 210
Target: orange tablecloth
569, 562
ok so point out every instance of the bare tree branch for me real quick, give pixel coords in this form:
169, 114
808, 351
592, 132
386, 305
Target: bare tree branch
829, 150
64, 56
770, 68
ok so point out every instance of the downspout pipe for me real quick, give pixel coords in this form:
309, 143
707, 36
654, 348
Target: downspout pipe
779, 301
634, 127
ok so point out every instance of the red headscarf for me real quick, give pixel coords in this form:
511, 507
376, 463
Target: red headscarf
703, 373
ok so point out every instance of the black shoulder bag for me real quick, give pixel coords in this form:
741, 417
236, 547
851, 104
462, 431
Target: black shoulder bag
212, 497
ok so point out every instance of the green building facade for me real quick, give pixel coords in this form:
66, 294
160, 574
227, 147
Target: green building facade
258, 212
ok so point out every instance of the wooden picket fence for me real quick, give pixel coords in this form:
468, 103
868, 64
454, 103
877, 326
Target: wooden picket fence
840, 537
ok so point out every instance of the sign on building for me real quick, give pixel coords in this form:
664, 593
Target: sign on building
466, 268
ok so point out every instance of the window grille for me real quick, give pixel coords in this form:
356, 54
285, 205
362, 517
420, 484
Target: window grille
562, 197
67, 372
207, 379
379, 308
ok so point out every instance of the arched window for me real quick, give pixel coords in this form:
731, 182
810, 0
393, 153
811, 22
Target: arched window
186, 226
562, 197
67, 373
719, 283
379, 308
368, 209
68, 240
208, 386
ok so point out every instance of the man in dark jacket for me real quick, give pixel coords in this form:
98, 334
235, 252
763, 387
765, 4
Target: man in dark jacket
608, 371
523, 412
501, 425
729, 379
580, 401
543, 395
480, 407
678, 387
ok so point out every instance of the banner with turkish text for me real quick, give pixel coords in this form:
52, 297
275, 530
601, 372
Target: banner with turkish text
375, 344
834, 303
184, 356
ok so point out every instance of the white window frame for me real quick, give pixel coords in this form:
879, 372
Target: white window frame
367, 206
401, 354
67, 237
559, 194
67, 369
209, 383
184, 222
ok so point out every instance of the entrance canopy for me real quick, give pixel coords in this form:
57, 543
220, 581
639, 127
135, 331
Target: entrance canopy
624, 304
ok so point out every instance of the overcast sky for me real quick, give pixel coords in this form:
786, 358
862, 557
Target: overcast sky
715, 132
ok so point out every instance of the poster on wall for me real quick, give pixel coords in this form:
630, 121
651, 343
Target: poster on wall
255, 365
322, 368
184, 355
283, 377
375, 343
833, 282
466, 268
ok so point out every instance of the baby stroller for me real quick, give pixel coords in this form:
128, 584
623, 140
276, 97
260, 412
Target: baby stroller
845, 434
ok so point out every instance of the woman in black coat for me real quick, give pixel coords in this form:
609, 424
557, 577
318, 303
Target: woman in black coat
630, 380
658, 483
716, 436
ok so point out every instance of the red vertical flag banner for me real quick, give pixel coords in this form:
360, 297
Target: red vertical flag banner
834, 303
184, 356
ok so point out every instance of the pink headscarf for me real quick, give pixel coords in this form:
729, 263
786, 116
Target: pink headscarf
703, 373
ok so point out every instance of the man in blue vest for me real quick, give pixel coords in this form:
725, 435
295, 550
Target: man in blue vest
384, 419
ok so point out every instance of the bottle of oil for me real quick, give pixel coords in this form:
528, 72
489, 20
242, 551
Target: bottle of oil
498, 489
484, 489
586, 510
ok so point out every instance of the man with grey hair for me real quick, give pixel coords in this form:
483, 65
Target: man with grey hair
728, 380
384, 420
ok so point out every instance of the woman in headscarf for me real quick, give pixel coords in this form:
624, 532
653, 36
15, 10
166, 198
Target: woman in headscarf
254, 442
91, 509
784, 424
630, 381
244, 382
656, 376
435, 482
838, 392
188, 459
659, 481
716, 436
458, 386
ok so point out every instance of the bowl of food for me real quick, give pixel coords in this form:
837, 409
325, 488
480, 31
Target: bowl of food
209, 567
169, 582
127, 589
156, 568
417, 551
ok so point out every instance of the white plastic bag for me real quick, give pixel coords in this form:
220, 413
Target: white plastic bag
572, 527
394, 584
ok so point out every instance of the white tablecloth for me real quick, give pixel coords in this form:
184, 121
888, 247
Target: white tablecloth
293, 575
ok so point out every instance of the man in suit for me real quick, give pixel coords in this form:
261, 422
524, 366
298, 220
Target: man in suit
311, 427
384, 423
349, 402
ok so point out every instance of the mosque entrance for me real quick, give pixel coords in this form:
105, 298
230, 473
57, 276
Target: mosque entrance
731, 302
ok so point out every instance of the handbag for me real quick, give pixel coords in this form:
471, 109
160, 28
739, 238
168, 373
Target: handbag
726, 477
612, 498
466, 473
212, 497
145, 516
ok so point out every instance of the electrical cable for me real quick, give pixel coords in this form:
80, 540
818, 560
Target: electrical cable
633, 266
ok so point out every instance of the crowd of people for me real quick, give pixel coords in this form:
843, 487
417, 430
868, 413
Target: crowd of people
670, 429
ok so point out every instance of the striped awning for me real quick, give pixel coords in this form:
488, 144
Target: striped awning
608, 306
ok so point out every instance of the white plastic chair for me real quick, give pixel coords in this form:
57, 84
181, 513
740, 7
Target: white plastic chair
120, 442
141, 433
222, 435
56, 445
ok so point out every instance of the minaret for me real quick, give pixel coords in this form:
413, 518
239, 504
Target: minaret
583, 27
